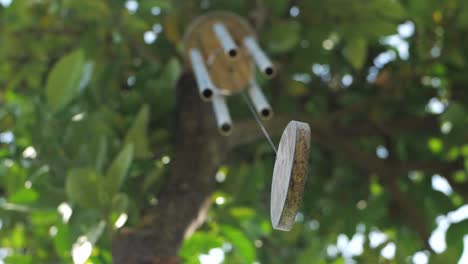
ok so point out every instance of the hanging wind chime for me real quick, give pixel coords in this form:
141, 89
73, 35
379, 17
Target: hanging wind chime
221, 48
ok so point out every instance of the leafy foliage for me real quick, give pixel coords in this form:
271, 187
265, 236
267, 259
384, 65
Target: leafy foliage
86, 128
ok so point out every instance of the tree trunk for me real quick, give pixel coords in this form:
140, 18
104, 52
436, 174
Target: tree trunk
185, 198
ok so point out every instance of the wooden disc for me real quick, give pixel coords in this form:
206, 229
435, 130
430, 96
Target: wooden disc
230, 75
289, 175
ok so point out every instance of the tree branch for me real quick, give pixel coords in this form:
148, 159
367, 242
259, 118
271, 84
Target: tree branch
247, 131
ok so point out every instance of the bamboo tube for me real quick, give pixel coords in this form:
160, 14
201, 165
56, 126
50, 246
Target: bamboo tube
225, 39
205, 86
216, 60
260, 58
259, 101
223, 119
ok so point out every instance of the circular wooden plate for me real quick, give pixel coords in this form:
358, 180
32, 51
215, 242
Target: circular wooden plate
289, 175
230, 75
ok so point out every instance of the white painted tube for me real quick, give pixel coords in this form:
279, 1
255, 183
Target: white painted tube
259, 101
223, 119
260, 58
204, 83
225, 39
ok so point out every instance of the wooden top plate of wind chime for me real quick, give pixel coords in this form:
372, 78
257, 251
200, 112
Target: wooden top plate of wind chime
289, 175
221, 49
228, 61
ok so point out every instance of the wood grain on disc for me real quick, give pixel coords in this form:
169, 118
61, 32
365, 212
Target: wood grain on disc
289, 175
229, 75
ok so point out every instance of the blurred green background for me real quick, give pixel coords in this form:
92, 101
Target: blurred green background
87, 130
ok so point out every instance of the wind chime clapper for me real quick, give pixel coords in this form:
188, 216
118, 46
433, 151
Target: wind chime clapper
221, 48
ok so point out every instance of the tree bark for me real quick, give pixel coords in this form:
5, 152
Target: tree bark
185, 198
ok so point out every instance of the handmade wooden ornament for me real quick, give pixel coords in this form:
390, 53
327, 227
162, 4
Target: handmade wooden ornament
289, 175
226, 61
221, 49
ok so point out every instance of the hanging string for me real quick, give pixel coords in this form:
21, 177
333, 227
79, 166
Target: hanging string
259, 122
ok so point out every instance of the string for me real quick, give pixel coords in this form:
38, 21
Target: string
259, 122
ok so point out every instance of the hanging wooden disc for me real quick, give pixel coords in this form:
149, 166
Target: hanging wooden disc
289, 175
230, 75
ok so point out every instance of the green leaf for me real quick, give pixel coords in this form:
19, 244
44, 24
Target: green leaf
14, 179
152, 178
390, 9
240, 242
463, 17
82, 187
339, 261
17, 238
375, 188
138, 133
62, 240
24, 196
118, 170
19, 259
96, 231
43, 218
120, 203
172, 71
131, 23
437, 203
456, 56
313, 254
63, 82
242, 213
88, 69
102, 153
435, 145
459, 176
356, 52
148, 4
454, 239
282, 36
83, 220
198, 243
456, 114
279, 7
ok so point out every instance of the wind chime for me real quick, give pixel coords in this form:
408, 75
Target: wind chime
221, 49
